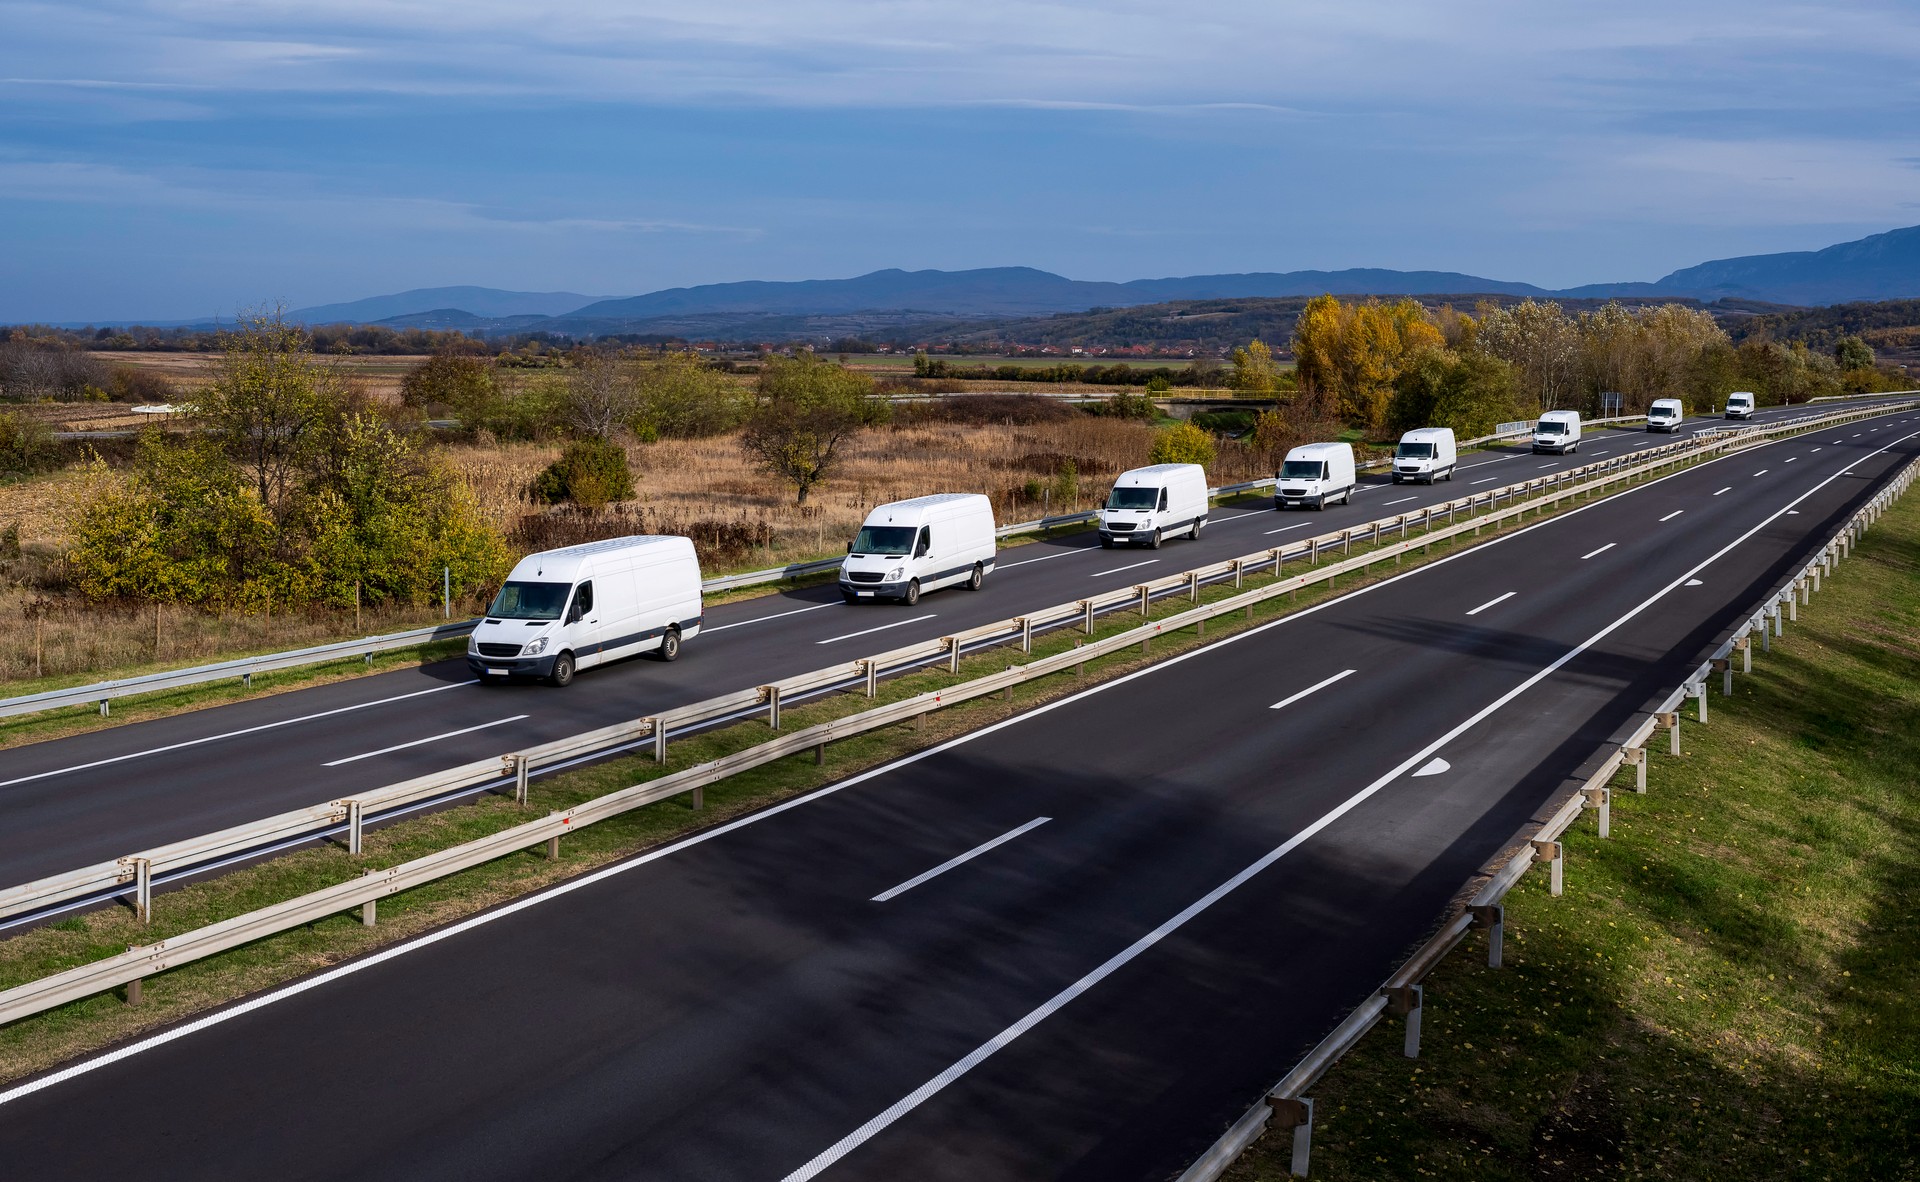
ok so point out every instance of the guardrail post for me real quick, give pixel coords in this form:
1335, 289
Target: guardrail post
1698, 691
699, 796
1636, 758
1601, 798
1086, 616
657, 731
142, 889
1236, 573
1793, 602
1403, 1001
1744, 646
133, 986
1193, 586
356, 827
953, 653
1079, 667
819, 754
369, 910
1766, 630
1144, 600
1671, 721
1493, 917
553, 844
1552, 854
1779, 620
105, 707
870, 670
1026, 634
770, 694
1279, 556
1346, 542
1298, 1116
1723, 666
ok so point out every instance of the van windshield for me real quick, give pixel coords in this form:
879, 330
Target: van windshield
1415, 451
1137, 497
884, 539
530, 601
1550, 427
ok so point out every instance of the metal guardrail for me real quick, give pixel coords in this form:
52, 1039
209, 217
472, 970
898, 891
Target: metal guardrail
244, 668
1286, 1104
137, 872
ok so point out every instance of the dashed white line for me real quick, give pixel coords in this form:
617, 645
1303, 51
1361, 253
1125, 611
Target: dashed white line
881, 628
1729, 488
1313, 689
775, 616
1488, 480
422, 742
1815, 449
1545, 466
1046, 557
1401, 501
1285, 528
1116, 570
1672, 515
950, 863
1763, 471
267, 726
1790, 459
1601, 550
1489, 603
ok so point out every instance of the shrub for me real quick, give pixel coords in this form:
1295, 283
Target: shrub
590, 473
1124, 406
26, 445
1182, 443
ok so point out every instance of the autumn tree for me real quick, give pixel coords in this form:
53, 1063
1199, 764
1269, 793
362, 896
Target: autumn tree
1254, 371
267, 399
804, 413
602, 395
1182, 443
1541, 342
1354, 352
467, 386
682, 397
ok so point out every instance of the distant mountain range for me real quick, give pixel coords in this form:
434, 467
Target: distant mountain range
1880, 267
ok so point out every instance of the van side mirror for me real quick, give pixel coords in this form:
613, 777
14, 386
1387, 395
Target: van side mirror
574, 613
849, 547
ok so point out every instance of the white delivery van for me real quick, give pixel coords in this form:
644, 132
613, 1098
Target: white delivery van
573, 608
1425, 454
1314, 474
1558, 431
920, 545
1665, 415
1740, 405
1148, 504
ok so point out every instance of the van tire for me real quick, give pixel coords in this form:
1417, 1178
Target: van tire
849, 596
1153, 543
1106, 543
978, 577
562, 674
1346, 498
669, 649
1194, 534
912, 595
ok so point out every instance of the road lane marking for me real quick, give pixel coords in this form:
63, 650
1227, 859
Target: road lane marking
950, 863
467, 730
81, 767
931, 1087
1729, 488
1672, 515
1601, 550
881, 628
1597, 453
1285, 528
1791, 459
1815, 449
1043, 558
1695, 583
1434, 767
1314, 688
1489, 603
775, 616
1116, 570
1544, 466
1488, 480
1763, 471
1401, 501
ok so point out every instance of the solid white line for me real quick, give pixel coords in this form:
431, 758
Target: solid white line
1488, 480
1314, 688
1672, 515
1401, 501
950, 863
1285, 528
1116, 570
421, 742
328, 976
1034, 1017
1601, 550
1729, 488
775, 616
265, 726
1489, 603
881, 628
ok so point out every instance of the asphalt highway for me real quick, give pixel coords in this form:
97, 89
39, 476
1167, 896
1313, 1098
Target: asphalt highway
94, 797
1073, 945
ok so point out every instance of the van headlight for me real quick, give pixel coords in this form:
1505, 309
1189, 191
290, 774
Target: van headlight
535, 648
473, 645
895, 575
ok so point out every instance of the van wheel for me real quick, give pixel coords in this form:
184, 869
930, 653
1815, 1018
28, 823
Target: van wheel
913, 593
849, 596
1106, 543
978, 577
1449, 474
562, 674
1153, 543
670, 645
1346, 498
1195, 535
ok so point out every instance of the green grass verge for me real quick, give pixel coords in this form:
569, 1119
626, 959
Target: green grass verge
1727, 987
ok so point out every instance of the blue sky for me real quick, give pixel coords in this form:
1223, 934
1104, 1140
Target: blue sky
176, 158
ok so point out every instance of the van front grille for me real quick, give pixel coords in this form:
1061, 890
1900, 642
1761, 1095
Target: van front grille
499, 650
1293, 492
864, 576
1119, 527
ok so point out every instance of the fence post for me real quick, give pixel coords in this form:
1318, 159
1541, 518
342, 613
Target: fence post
1492, 917
1298, 1116
1636, 758
1403, 1001
1551, 853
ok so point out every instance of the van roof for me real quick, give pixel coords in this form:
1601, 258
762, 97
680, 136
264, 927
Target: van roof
631, 541
1152, 472
1317, 448
1560, 414
930, 500
1741, 394
564, 564
1666, 402
1428, 433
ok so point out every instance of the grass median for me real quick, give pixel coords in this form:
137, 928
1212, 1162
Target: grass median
1726, 988
44, 1040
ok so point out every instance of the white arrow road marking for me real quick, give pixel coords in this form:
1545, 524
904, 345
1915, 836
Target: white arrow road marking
1695, 583
1434, 767
1315, 688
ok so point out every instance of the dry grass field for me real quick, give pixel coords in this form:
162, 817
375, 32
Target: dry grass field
377, 376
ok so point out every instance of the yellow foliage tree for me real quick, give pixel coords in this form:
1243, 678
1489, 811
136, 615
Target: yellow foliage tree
1354, 352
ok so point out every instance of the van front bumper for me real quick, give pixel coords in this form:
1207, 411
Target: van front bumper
507, 668
875, 590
